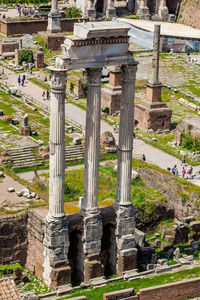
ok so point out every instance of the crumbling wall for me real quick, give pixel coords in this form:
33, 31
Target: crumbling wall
179, 199
189, 13
13, 239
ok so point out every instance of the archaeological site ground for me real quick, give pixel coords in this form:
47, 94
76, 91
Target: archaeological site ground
99, 150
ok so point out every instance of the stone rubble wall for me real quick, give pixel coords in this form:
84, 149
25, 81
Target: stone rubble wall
13, 239
189, 13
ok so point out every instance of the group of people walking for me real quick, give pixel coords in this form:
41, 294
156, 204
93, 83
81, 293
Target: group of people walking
184, 172
45, 95
21, 80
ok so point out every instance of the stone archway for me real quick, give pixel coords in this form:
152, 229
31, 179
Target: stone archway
76, 256
108, 252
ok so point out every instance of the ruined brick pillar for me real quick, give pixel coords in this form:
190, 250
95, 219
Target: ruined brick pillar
92, 217
56, 240
125, 230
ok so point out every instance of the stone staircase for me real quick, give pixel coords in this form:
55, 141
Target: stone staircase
26, 158
23, 158
74, 153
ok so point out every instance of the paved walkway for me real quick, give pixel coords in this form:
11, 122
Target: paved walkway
71, 111
153, 155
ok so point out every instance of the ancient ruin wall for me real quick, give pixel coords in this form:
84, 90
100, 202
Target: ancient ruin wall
13, 239
182, 201
190, 12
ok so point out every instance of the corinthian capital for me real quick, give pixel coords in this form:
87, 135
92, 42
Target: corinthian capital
58, 79
129, 72
94, 76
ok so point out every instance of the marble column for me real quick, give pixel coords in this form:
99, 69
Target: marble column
56, 240
92, 220
156, 55
54, 18
92, 141
163, 11
110, 10
143, 10
91, 11
125, 230
154, 87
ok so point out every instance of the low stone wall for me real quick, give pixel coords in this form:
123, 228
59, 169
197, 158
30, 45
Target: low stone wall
177, 290
13, 239
16, 27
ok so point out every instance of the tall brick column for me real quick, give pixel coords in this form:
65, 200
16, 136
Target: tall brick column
56, 240
92, 217
125, 231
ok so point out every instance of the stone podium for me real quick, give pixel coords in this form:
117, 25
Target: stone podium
93, 46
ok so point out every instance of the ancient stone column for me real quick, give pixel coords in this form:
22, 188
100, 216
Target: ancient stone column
56, 240
57, 145
143, 10
125, 231
110, 10
92, 140
156, 54
54, 18
163, 11
92, 218
91, 11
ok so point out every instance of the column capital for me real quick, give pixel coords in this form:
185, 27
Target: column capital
94, 76
129, 72
58, 80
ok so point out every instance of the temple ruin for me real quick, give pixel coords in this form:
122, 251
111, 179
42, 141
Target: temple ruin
86, 245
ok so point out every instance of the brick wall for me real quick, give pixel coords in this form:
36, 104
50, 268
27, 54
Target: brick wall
13, 239
177, 290
35, 258
33, 26
8, 47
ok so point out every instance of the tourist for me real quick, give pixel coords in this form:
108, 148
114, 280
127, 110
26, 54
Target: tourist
143, 157
174, 170
19, 79
43, 95
183, 172
2, 72
23, 81
47, 95
24, 77
114, 127
183, 159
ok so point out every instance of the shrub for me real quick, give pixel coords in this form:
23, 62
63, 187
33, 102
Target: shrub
73, 12
26, 55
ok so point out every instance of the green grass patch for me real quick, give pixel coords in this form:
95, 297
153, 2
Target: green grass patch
40, 83
137, 284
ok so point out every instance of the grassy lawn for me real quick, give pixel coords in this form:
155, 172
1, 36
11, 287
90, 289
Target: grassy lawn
17, 109
40, 83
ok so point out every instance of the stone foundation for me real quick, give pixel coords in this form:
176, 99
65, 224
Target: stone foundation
147, 118
92, 247
152, 113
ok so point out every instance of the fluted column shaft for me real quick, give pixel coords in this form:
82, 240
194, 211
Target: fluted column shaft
92, 140
57, 144
125, 146
156, 53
